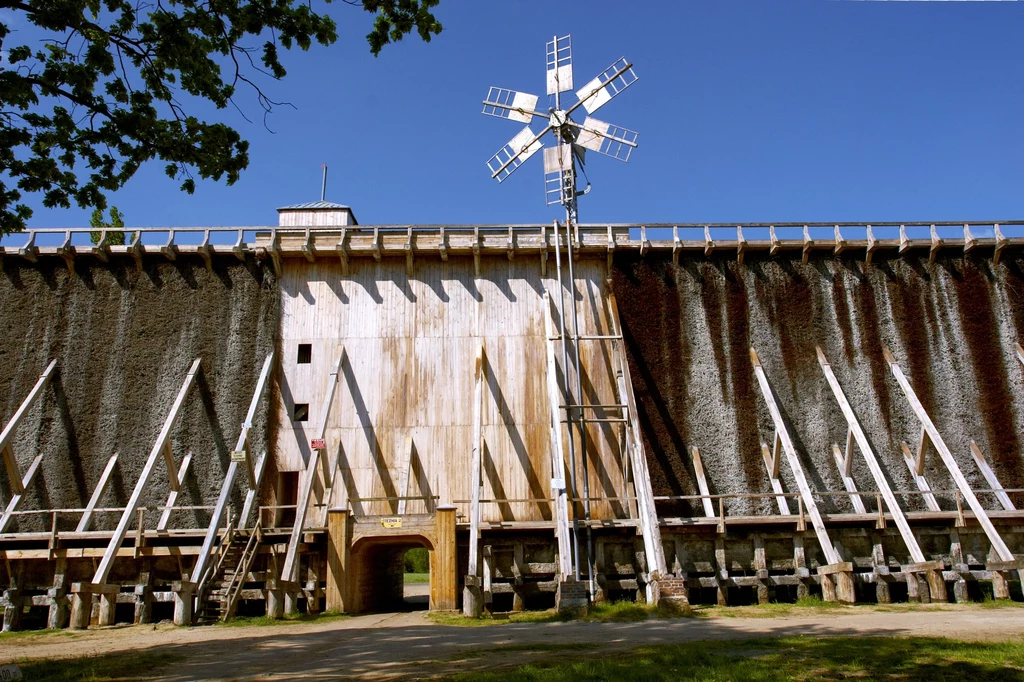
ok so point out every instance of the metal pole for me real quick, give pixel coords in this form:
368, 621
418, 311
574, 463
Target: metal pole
571, 215
323, 186
568, 402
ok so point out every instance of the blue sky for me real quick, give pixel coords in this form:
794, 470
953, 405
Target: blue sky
748, 110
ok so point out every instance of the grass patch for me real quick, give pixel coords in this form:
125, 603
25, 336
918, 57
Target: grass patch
139, 665
913, 659
417, 578
260, 621
30, 634
456, 618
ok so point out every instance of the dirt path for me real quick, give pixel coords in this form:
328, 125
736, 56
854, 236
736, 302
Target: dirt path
388, 646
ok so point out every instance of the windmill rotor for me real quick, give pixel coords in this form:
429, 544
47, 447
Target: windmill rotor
571, 139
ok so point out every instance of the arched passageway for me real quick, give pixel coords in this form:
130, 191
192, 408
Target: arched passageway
379, 574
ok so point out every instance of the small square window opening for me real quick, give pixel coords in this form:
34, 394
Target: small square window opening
305, 353
301, 412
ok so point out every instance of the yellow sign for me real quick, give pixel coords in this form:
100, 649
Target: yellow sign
391, 522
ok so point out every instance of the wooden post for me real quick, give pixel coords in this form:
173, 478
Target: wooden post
558, 487
162, 442
947, 458
229, 477
488, 577
57, 618
444, 562
471, 595
721, 573
13, 597
144, 593
338, 545
649, 525
702, 482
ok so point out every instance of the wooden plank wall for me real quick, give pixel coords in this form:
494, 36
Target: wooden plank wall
409, 345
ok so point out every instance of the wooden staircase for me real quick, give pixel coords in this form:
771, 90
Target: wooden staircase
219, 596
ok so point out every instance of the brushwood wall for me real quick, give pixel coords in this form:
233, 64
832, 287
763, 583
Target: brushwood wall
952, 325
124, 341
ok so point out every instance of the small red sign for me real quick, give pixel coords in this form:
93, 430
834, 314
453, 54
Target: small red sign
318, 444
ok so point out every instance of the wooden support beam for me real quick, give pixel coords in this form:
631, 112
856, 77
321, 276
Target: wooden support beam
794, 463
289, 572
1002, 550
67, 251
274, 250
936, 245
136, 249
30, 251
342, 249
709, 245
808, 245
1001, 243
990, 477
919, 480
558, 477
408, 254
904, 242
776, 484
776, 456
16, 499
239, 247
6, 436
647, 512
676, 244
544, 248
307, 247
442, 245
204, 251
172, 497
969, 240
872, 245
511, 248
1020, 353
848, 482
102, 249
847, 467
702, 482
774, 249
404, 464
840, 243
611, 250
472, 597
170, 249
741, 245
476, 251
103, 570
97, 494
645, 243
922, 450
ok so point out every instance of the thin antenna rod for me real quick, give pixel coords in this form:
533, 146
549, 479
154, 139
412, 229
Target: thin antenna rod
323, 186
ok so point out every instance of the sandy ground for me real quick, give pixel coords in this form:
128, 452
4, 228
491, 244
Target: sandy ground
408, 645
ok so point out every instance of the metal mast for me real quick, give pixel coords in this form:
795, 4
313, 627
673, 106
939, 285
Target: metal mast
572, 139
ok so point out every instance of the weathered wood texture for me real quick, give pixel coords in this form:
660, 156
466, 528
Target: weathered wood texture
410, 344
